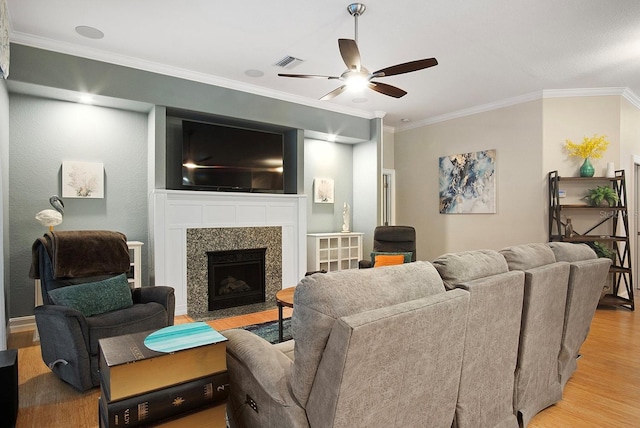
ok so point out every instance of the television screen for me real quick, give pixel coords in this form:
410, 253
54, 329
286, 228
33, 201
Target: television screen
218, 157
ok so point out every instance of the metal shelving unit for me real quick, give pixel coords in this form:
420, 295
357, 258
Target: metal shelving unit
615, 219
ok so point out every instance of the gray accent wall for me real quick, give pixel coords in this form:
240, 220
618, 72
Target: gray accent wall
44, 133
324, 159
130, 140
51, 69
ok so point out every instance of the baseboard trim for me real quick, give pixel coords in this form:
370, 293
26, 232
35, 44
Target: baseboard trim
20, 324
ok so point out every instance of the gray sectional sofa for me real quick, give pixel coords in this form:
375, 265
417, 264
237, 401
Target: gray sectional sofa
473, 339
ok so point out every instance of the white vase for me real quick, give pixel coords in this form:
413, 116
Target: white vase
611, 170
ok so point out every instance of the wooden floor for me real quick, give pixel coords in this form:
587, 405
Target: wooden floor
604, 392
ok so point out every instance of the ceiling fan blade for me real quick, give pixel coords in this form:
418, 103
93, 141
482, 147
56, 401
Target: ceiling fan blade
407, 67
308, 76
383, 88
350, 53
334, 93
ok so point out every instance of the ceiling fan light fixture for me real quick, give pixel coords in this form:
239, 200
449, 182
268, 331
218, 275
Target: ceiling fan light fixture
356, 78
356, 82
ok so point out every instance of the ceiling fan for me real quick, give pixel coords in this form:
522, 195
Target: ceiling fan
356, 75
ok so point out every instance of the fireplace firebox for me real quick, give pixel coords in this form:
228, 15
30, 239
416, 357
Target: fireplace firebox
236, 277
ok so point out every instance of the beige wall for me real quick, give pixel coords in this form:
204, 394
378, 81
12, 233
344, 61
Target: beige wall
573, 118
529, 140
516, 134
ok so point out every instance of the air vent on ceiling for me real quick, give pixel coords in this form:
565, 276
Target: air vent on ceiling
288, 62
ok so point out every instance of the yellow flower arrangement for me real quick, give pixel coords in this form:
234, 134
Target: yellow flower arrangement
591, 147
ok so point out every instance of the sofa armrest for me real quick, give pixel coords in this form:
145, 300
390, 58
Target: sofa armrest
269, 367
64, 343
260, 379
159, 294
58, 317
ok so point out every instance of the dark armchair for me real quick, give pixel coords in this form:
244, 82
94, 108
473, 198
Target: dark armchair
86, 297
392, 239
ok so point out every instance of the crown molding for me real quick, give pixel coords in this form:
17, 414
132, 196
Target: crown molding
626, 93
472, 111
153, 67
630, 96
582, 92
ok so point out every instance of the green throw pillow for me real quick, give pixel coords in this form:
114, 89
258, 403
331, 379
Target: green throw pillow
92, 298
407, 255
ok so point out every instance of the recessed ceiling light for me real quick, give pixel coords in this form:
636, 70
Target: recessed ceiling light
254, 73
86, 99
359, 100
89, 32
405, 120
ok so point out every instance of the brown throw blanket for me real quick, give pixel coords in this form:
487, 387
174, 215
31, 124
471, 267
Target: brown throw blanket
82, 253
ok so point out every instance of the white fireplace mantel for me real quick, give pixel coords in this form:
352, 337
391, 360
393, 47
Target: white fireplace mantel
172, 212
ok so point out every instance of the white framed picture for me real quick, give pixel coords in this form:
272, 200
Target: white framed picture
82, 180
323, 190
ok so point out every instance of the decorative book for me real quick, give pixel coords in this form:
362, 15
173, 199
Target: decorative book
165, 403
129, 368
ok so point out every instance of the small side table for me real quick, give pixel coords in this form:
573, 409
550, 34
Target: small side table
284, 297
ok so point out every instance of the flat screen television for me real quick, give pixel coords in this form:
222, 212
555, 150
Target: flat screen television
222, 157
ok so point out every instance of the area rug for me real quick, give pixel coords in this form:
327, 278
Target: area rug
269, 330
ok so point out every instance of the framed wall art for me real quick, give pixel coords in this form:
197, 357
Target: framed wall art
468, 183
82, 180
323, 190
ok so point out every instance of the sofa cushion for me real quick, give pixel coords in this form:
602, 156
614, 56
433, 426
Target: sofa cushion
456, 268
92, 298
388, 260
407, 255
570, 252
528, 256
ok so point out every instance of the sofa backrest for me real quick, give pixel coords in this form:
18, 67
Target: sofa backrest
545, 292
485, 397
321, 299
528, 256
571, 252
456, 268
587, 277
395, 366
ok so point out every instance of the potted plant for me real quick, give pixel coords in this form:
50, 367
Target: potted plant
590, 148
602, 250
600, 194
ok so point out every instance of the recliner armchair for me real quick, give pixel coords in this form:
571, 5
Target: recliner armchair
392, 239
83, 271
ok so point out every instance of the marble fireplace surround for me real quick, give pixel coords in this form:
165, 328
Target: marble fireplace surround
201, 240
174, 212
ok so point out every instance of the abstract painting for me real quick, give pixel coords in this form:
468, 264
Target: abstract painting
82, 180
468, 183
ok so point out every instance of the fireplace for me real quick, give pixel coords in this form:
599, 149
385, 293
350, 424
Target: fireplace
235, 278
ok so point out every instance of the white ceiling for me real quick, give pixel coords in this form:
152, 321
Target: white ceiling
488, 51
